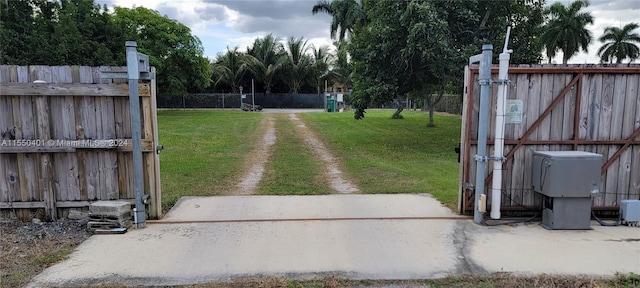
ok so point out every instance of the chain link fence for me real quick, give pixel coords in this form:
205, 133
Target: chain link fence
233, 100
449, 103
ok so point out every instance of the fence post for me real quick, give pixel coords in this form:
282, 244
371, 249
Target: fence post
136, 133
484, 78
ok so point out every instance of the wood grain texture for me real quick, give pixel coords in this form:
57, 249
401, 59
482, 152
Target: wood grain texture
76, 106
606, 115
71, 89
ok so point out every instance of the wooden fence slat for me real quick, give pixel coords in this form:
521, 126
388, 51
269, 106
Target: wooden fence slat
148, 158
155, 210
23, 74
110, 158
5, 74
546, 97
463, 142
569, 110
617, 171
624, 177
22, 205
595, 94
629, 114
606, 107
634, 191
557, 114
531, 113
584, 108
71, 89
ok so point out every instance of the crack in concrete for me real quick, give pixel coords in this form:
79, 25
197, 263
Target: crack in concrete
462, 244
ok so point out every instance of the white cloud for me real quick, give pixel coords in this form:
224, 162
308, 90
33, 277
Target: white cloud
229, 23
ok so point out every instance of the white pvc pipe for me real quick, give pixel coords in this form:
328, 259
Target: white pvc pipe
498, 147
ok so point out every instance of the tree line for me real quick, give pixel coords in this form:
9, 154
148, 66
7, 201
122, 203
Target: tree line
281, 66
384, 49
80, 32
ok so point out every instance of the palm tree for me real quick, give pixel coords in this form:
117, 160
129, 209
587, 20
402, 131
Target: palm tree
566, 30
341, 71
298, 63
619, 44
345, 13
229, 69
264, 59
320, 67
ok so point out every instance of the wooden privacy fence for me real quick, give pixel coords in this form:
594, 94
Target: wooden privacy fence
67, 142
593, 108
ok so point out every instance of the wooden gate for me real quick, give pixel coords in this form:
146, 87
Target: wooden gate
67, 142
593, 108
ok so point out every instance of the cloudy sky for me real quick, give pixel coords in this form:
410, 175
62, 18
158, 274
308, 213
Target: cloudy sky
229, 23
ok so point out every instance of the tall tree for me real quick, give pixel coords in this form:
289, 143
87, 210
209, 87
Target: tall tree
229, 69
489, 22
264, 59
620, 44
341, 70
172, 49
346, 14
298, 63
398, 52
418, 48
27, 29
320, 68
83, 34
566, 29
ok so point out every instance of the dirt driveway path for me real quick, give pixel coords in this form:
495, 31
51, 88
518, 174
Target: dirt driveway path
332, 170
256, 160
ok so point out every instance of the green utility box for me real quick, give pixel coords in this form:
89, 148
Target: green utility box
331, 105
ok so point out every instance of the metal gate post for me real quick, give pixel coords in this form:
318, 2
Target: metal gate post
136, 133
484, 78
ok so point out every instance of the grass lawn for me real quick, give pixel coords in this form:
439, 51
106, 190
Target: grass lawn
204, 152
385, 155
293, 168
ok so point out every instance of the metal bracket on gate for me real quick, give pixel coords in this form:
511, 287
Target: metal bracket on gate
125, 75
479, 158
143, 67
485, 81
502, 81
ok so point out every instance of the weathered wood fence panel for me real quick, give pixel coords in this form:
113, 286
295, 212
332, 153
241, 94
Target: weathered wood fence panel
67, 142
594, 108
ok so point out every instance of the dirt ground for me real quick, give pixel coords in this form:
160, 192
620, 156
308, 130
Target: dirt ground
257, 158
28, 248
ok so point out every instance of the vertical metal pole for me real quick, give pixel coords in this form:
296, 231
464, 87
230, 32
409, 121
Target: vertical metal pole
481, 157
240, 97
253, 96
324, 96
136, 133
